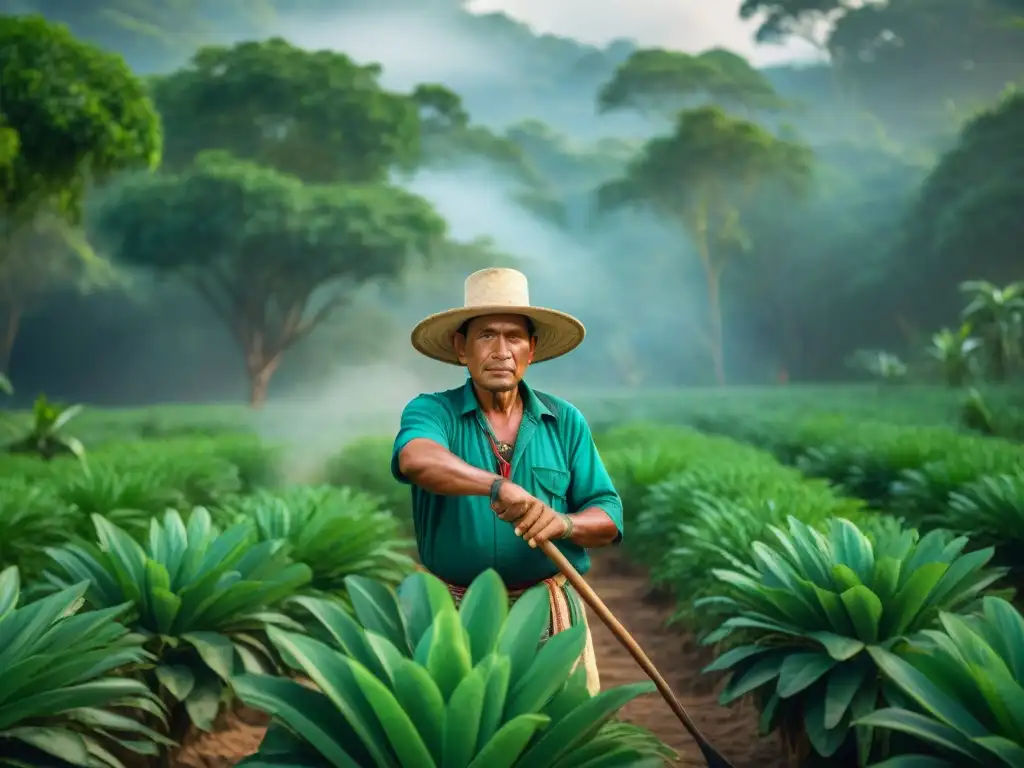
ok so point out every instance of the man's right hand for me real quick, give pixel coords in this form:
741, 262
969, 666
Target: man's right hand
513, 502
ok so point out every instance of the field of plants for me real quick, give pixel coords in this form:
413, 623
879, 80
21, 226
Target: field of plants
847, 556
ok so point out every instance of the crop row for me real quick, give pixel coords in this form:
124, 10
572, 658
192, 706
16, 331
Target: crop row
933, 477
859, 639
124, 624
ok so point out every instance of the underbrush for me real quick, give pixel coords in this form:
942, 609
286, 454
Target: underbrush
823, 611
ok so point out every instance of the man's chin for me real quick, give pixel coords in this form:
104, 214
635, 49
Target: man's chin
499, 384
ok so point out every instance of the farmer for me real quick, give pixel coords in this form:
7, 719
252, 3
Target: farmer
497, 467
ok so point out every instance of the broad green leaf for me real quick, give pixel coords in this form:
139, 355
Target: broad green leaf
462, 719
924, 728
448, 660
865, 611
521, 634
483, 612
801, 670
402, 734
548, 672
419, 696
504, 750
377, 609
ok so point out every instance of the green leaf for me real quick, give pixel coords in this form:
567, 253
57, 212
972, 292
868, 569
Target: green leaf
419, 696
377, 609
504, 750
462, 719
216, 651
448, 660
901, 612
865, 612
401, 733
923, 728
801, 670
483, 612
523, 629
548, 672
750, 678
843, 683
177, 679
308, 713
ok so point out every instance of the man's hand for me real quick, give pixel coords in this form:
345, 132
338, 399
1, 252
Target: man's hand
534, 520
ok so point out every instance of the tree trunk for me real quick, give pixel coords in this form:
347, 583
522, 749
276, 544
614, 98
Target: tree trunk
259, 382
717, 332
10, 334
712, 274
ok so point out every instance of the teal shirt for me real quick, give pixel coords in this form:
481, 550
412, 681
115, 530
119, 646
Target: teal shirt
555, 459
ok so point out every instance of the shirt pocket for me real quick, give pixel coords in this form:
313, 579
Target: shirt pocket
553, 485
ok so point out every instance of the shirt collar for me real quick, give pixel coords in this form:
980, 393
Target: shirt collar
531, 403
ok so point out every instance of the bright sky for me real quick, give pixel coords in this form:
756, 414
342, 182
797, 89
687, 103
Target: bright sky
687, 25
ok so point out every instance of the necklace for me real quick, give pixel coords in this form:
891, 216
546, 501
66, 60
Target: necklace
505, 450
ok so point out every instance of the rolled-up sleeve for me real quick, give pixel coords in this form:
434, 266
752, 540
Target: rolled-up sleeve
426, 416
591, 485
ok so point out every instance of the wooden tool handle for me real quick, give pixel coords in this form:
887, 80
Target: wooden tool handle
597, 605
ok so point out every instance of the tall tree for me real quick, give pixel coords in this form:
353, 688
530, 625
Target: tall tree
968, 215
656, 82
71, 115
700, 176
271, 256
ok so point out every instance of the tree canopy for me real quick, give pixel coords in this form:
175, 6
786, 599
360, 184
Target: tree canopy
270, 255
701, 176
656, 81
70, 113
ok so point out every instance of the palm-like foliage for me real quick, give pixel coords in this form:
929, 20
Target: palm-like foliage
46, 437
61, 700
337, 532
201, 598
955, 352
996, 314
812, 607
412, 681
32, 517
968, 683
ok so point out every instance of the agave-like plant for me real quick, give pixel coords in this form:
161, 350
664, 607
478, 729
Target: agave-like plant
413, 681
811, 608
46, 437
32, 517
62, 701
337, 532
968, 684
202, 599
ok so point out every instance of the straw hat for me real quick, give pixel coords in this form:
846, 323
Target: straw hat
498, 291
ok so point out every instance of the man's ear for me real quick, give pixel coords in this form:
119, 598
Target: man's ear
533, 347
459, 341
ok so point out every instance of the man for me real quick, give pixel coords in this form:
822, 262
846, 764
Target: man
498, 467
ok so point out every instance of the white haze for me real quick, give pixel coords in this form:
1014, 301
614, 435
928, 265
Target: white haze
316, 419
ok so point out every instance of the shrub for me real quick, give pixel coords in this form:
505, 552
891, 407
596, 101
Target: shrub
365, 464
812, 607
32, 517
967, 682
413, 681
202, 599
61, 700
337, 532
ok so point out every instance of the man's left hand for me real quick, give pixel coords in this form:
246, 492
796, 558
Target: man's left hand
540, 523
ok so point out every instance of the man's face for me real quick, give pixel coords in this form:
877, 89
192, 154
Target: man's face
497, 350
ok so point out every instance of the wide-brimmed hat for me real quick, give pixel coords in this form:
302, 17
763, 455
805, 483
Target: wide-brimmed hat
498, 291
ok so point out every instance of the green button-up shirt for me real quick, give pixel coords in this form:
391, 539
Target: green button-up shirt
555, 460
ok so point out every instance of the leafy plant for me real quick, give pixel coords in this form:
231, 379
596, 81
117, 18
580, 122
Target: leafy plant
810, 609
32, 517
337, 532
201, 598
996, 314
62, 701
884, 366
45, 438
955, 353
412, 681
967, 682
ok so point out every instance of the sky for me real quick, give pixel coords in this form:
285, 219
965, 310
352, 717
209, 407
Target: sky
686, 25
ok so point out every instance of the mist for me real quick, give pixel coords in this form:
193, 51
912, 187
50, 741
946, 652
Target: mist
631, 277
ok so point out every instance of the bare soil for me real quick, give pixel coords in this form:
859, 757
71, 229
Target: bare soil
732, 731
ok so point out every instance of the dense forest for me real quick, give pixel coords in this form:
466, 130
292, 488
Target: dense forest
269, 191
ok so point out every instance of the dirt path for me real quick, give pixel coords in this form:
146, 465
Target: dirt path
678, 657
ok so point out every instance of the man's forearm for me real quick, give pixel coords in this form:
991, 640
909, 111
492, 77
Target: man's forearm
438, 470
593, 528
